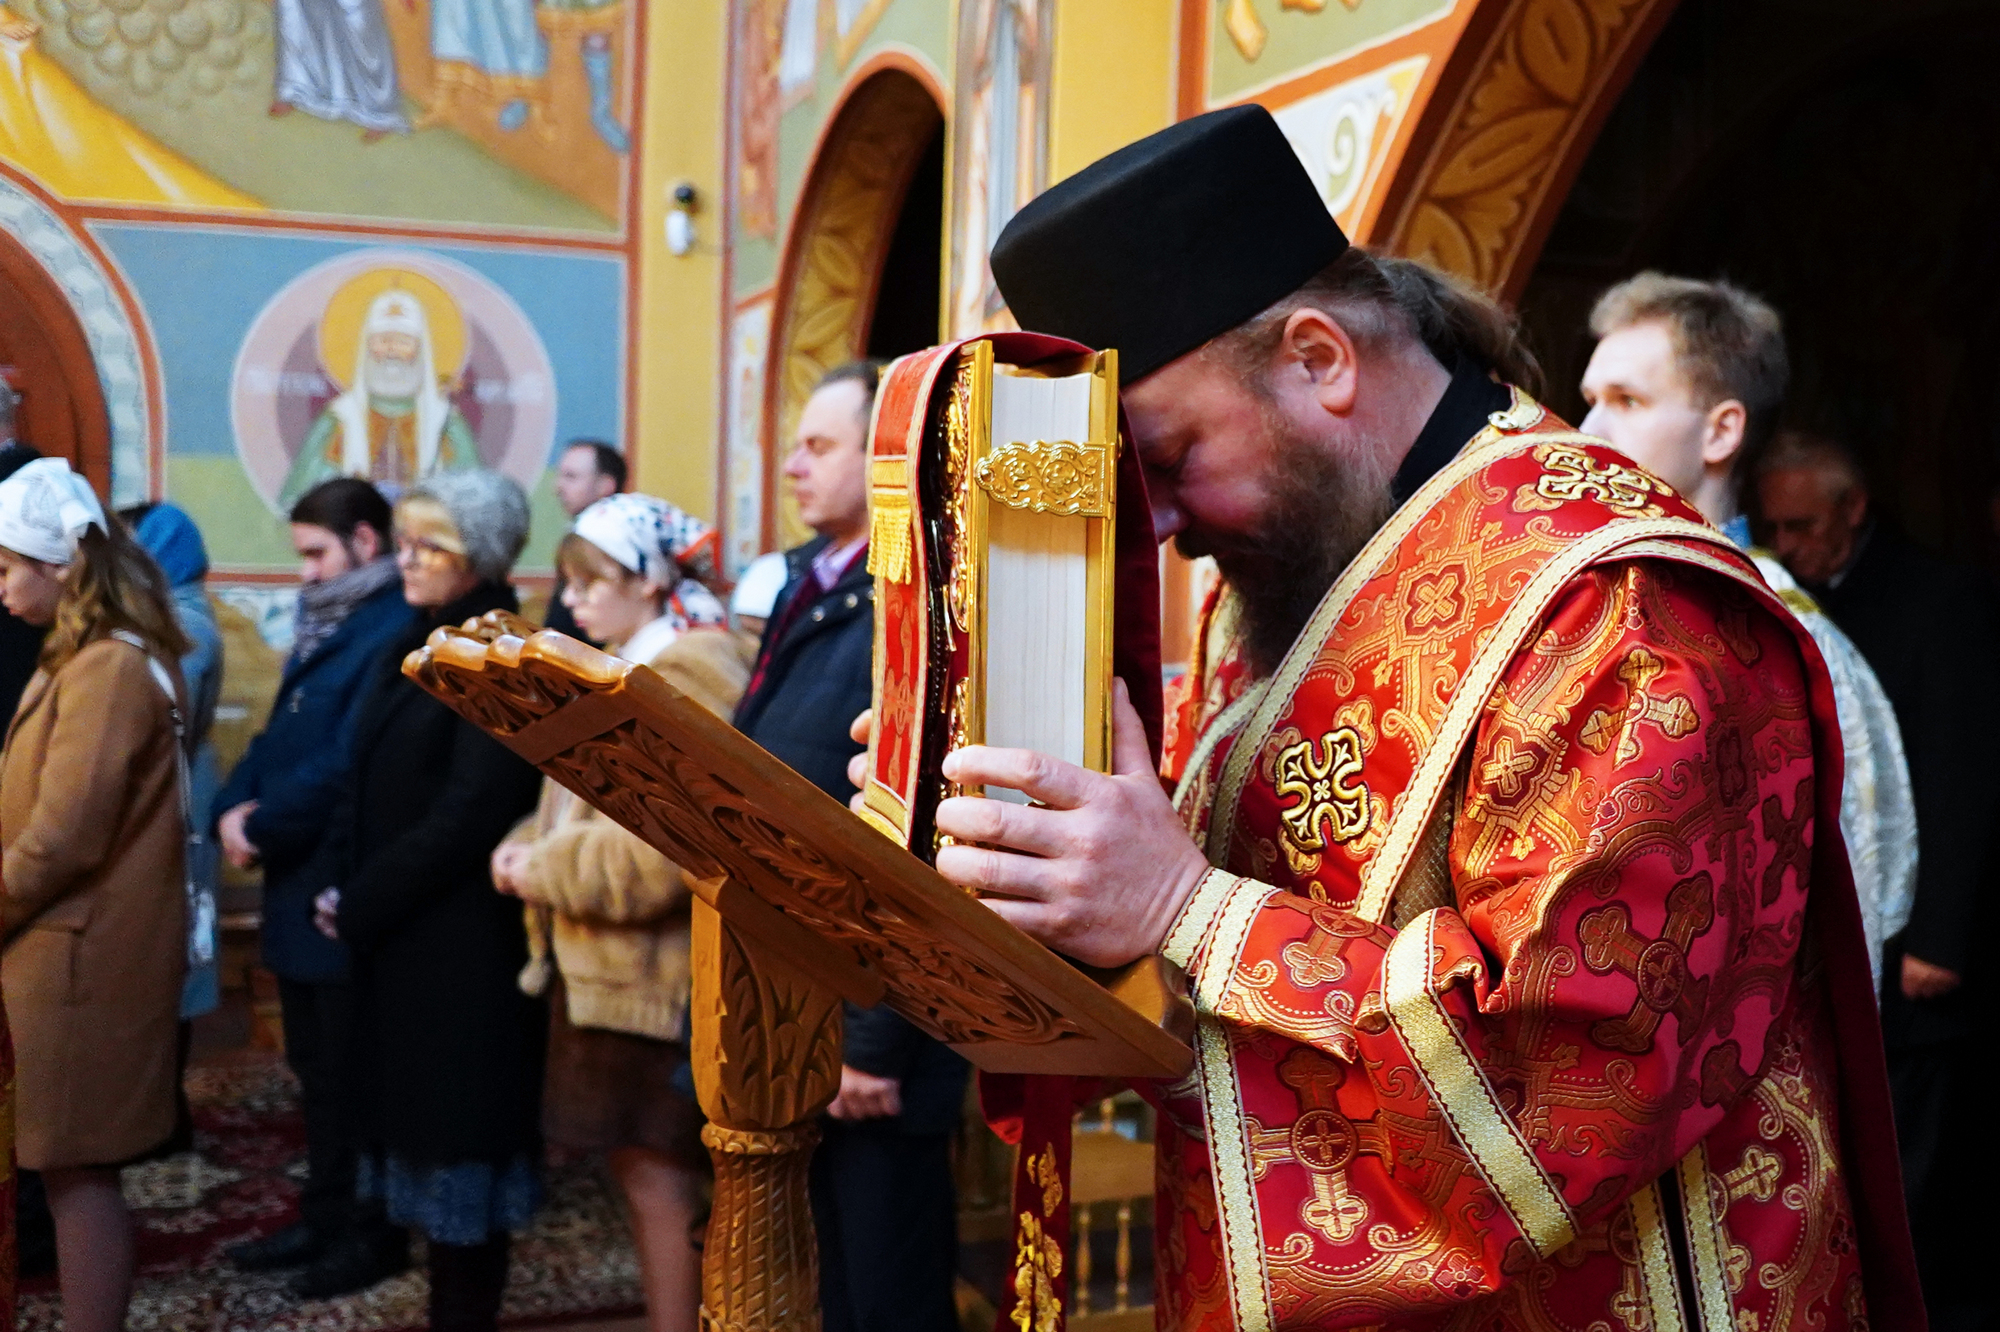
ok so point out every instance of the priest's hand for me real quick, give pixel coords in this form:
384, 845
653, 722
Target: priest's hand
1100, 872
862, 731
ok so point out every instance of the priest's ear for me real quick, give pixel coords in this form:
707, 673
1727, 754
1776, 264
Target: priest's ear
1722, 433
1316, 353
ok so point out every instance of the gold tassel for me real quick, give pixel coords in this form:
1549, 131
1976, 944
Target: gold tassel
890, 532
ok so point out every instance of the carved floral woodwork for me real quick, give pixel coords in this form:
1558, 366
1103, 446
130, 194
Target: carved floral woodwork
792, 869
766, 1044
1522, 119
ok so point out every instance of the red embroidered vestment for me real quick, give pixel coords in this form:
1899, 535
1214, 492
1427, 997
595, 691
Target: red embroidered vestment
1527, 977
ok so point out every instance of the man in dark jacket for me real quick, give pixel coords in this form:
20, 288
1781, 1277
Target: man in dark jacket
1928, 628
881, 1178
274, 811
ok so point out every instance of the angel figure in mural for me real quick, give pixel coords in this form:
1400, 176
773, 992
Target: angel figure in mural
335, 62
393, 423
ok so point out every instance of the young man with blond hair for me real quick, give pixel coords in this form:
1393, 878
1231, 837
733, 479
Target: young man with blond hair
1687, 381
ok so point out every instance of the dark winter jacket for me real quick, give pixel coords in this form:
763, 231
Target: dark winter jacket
1928, 629
811, 681
448, 1051
295, 770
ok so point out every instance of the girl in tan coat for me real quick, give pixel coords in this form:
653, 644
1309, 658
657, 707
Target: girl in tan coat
608, 915
93, 899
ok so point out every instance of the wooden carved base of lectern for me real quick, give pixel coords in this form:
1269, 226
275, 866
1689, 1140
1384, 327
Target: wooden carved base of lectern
767, 1061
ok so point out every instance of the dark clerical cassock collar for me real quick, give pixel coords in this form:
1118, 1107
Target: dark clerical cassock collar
1461, 413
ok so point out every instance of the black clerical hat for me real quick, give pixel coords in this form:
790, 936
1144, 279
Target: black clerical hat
1168, 241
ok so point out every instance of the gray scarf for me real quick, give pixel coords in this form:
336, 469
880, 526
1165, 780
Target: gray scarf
325, 606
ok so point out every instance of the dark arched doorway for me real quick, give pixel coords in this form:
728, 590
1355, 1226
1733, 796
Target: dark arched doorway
1837, 158
46, 359
860, 273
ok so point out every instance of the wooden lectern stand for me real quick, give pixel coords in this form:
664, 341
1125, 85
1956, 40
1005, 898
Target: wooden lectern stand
801, 905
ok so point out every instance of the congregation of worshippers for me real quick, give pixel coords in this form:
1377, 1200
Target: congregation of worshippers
474, 967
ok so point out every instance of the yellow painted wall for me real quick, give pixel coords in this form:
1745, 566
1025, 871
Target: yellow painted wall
676, 401
1114, 78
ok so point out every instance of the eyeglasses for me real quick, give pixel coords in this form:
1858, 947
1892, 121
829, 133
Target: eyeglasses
418, 550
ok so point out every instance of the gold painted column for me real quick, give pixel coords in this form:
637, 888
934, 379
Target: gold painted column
766, 1062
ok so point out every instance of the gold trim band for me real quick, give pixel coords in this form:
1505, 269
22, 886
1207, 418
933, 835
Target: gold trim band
1459, 1088
1705, 1243
1656, 1262
1197, 917
1234, 1174
1229, 1155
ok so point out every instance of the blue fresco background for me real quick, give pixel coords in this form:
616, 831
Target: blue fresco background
203, 286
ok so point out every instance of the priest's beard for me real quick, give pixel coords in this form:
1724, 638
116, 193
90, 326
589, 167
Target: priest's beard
1323, 509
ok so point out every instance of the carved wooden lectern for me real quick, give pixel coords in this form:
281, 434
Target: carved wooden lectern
801, 905
1008, 597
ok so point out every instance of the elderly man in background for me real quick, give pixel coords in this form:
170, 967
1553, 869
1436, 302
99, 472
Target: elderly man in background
882, 1194
1687, 380
274, 812
588, 471
1928, 629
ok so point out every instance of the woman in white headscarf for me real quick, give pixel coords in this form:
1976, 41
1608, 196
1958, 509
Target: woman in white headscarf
94, 828
608, 916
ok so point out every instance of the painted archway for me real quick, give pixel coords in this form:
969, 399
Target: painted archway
96, 398
1522, 96
834, 252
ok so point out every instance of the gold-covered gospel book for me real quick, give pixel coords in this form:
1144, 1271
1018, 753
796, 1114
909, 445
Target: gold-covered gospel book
993, 500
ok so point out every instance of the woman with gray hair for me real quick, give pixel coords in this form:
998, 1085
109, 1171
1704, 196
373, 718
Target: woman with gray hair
448, 1050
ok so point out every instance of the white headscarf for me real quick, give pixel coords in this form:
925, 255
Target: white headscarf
757, 590
657, 541
45, 509
394, 311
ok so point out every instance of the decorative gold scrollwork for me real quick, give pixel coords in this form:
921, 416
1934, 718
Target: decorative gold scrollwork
958, 490
1324, 775
1059, 477
1570, 474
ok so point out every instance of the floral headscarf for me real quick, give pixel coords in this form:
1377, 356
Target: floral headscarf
655, 540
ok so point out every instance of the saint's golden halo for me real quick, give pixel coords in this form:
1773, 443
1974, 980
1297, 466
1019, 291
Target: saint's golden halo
340, 324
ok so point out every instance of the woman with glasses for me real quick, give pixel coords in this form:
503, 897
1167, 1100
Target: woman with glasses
447, 1050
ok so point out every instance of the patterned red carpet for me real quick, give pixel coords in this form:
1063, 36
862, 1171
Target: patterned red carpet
576, 1264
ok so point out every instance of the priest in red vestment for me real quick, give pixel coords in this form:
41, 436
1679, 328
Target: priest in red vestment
1508, 885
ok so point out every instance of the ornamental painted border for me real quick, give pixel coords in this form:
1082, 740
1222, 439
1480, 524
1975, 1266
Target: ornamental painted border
114, 342
1519, 114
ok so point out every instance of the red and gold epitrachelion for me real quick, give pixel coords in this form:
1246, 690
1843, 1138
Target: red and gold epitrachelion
1512, 1009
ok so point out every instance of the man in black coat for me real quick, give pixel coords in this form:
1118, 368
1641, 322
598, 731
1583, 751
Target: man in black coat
883, 1204
1928, 629
273, 813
